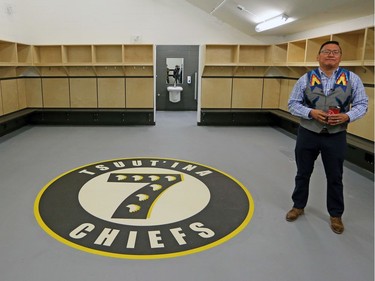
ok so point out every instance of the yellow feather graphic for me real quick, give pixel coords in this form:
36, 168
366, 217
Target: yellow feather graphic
154, 178
137, 178
133, 208
171, 178
142, 197
156, 187
121, 177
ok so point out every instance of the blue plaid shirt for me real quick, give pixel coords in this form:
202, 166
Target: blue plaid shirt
359, 97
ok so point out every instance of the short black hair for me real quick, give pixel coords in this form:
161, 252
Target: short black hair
330, 42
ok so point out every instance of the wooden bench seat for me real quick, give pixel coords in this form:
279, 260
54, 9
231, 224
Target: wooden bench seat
15, 120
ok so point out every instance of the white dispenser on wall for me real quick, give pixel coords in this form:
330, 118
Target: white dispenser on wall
174, 93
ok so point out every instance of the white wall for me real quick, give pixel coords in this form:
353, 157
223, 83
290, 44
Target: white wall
112, 21
159, 22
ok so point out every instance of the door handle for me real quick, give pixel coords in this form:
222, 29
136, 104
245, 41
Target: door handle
195, 84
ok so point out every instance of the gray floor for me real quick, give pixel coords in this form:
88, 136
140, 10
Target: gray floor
261, 158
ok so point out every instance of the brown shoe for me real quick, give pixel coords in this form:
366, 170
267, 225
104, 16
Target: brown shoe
337, 225
293, 214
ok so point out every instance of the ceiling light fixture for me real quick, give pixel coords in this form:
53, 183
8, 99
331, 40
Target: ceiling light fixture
273, 22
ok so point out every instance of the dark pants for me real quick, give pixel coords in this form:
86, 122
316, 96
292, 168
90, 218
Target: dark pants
332, 148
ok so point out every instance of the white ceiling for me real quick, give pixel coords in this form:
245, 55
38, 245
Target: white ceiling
308, 14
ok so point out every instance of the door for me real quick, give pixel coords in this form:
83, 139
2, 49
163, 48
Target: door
177, 63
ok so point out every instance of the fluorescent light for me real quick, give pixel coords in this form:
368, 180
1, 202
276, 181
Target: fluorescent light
272, 23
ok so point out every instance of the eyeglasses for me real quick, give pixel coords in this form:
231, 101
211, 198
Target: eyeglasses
328, 52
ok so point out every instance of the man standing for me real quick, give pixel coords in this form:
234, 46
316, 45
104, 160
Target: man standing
326, 99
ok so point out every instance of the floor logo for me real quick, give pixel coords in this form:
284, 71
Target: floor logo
143, 208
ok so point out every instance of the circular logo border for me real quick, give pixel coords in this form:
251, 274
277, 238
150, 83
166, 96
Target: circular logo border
61, 239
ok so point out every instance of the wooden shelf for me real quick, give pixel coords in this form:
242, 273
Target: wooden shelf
80, 60
352, 44
279, 54
24, 54
369, 47
138, 54
221, 54
358, 48
47, 55
368, 63
8, 53
349, 63
296, 52
77, 54
108, 54
313, 46
227, 59
255, 54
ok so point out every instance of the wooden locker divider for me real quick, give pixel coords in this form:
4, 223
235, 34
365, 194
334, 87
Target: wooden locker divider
8, 53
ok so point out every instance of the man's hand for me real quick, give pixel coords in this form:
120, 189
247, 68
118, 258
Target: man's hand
336, 119
330, 119
319, 115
